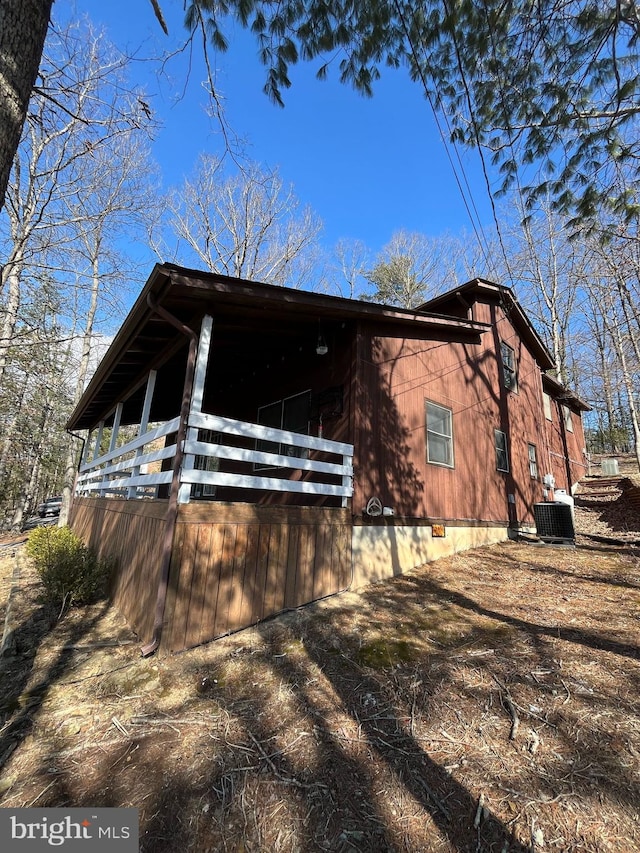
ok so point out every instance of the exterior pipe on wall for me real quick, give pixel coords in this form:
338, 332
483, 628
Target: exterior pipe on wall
172, 511
68, 493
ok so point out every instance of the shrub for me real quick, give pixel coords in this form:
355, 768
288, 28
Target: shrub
70, 572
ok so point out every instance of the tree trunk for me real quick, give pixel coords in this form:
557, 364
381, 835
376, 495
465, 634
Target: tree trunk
618, 342
23, 29
11, 310
71, 462
29, 485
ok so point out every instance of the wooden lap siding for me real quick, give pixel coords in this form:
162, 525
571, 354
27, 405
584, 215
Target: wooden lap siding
132, 533
235, 564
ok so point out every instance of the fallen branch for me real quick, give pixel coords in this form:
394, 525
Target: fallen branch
511, 707
98, 674
116, 722
156, 721
88, 647
435, 799
286, 779
479, 810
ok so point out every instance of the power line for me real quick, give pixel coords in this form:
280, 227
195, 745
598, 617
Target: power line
477, 228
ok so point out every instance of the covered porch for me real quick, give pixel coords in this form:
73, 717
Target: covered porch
218, 467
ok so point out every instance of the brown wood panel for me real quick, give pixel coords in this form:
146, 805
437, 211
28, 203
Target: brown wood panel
172, 592
197, 591
131, 533
322, 561
184, 568
260, 581
275, 575
231, 566
249, 579
211, 598
237, 568
306, 550
229, 587
292, 566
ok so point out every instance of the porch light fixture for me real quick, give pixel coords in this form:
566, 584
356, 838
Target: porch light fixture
321, 346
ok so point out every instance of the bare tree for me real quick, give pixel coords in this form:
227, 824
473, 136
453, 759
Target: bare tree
550, 266
76, 184
115, 196
247, 225
23, 29
615, 288
349, 267
90, 110
407, 271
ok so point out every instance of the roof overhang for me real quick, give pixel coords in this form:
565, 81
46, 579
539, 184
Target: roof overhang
241, 309
480, 287
559, 392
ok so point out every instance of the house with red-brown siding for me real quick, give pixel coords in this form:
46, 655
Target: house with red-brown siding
291, 445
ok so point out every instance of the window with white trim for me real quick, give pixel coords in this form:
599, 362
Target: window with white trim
509, 373
568, 422
533, 461
502, 453
439, 423
203, 462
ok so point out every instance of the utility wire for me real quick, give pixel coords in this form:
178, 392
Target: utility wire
477, 228
476, 134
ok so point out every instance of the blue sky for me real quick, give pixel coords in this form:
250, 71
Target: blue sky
367, 167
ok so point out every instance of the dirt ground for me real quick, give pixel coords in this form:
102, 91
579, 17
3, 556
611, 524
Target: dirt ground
485, 702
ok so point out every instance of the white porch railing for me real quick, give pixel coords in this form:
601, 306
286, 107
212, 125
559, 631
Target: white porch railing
120, 472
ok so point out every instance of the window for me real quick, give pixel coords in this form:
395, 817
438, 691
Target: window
568, 423
546, 402
533, 462
509, 374
206, 463
439, 435
293, 414
502, 455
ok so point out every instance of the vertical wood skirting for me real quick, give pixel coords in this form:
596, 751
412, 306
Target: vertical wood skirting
236, 564
232, 564
130, 532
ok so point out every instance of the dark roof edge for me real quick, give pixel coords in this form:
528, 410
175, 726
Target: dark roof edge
482, 285
562, 393
355, 307
165, 276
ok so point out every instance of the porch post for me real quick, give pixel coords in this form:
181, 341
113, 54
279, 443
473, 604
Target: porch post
96, 449
197, 396
115, 429
117, 415
347, 480
144, 425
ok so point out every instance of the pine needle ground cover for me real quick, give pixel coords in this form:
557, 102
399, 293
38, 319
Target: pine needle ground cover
486, 702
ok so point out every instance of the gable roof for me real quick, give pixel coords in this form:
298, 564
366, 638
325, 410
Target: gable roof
461, 298
247, 311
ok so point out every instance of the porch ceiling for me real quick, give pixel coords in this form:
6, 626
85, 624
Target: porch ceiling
252, 321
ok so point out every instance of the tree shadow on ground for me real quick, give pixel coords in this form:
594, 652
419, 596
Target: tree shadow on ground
24, 691
325, 729
608, 580
600, 543
363, 755
428, 586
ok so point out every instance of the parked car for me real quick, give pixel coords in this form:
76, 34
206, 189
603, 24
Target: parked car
50, 506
